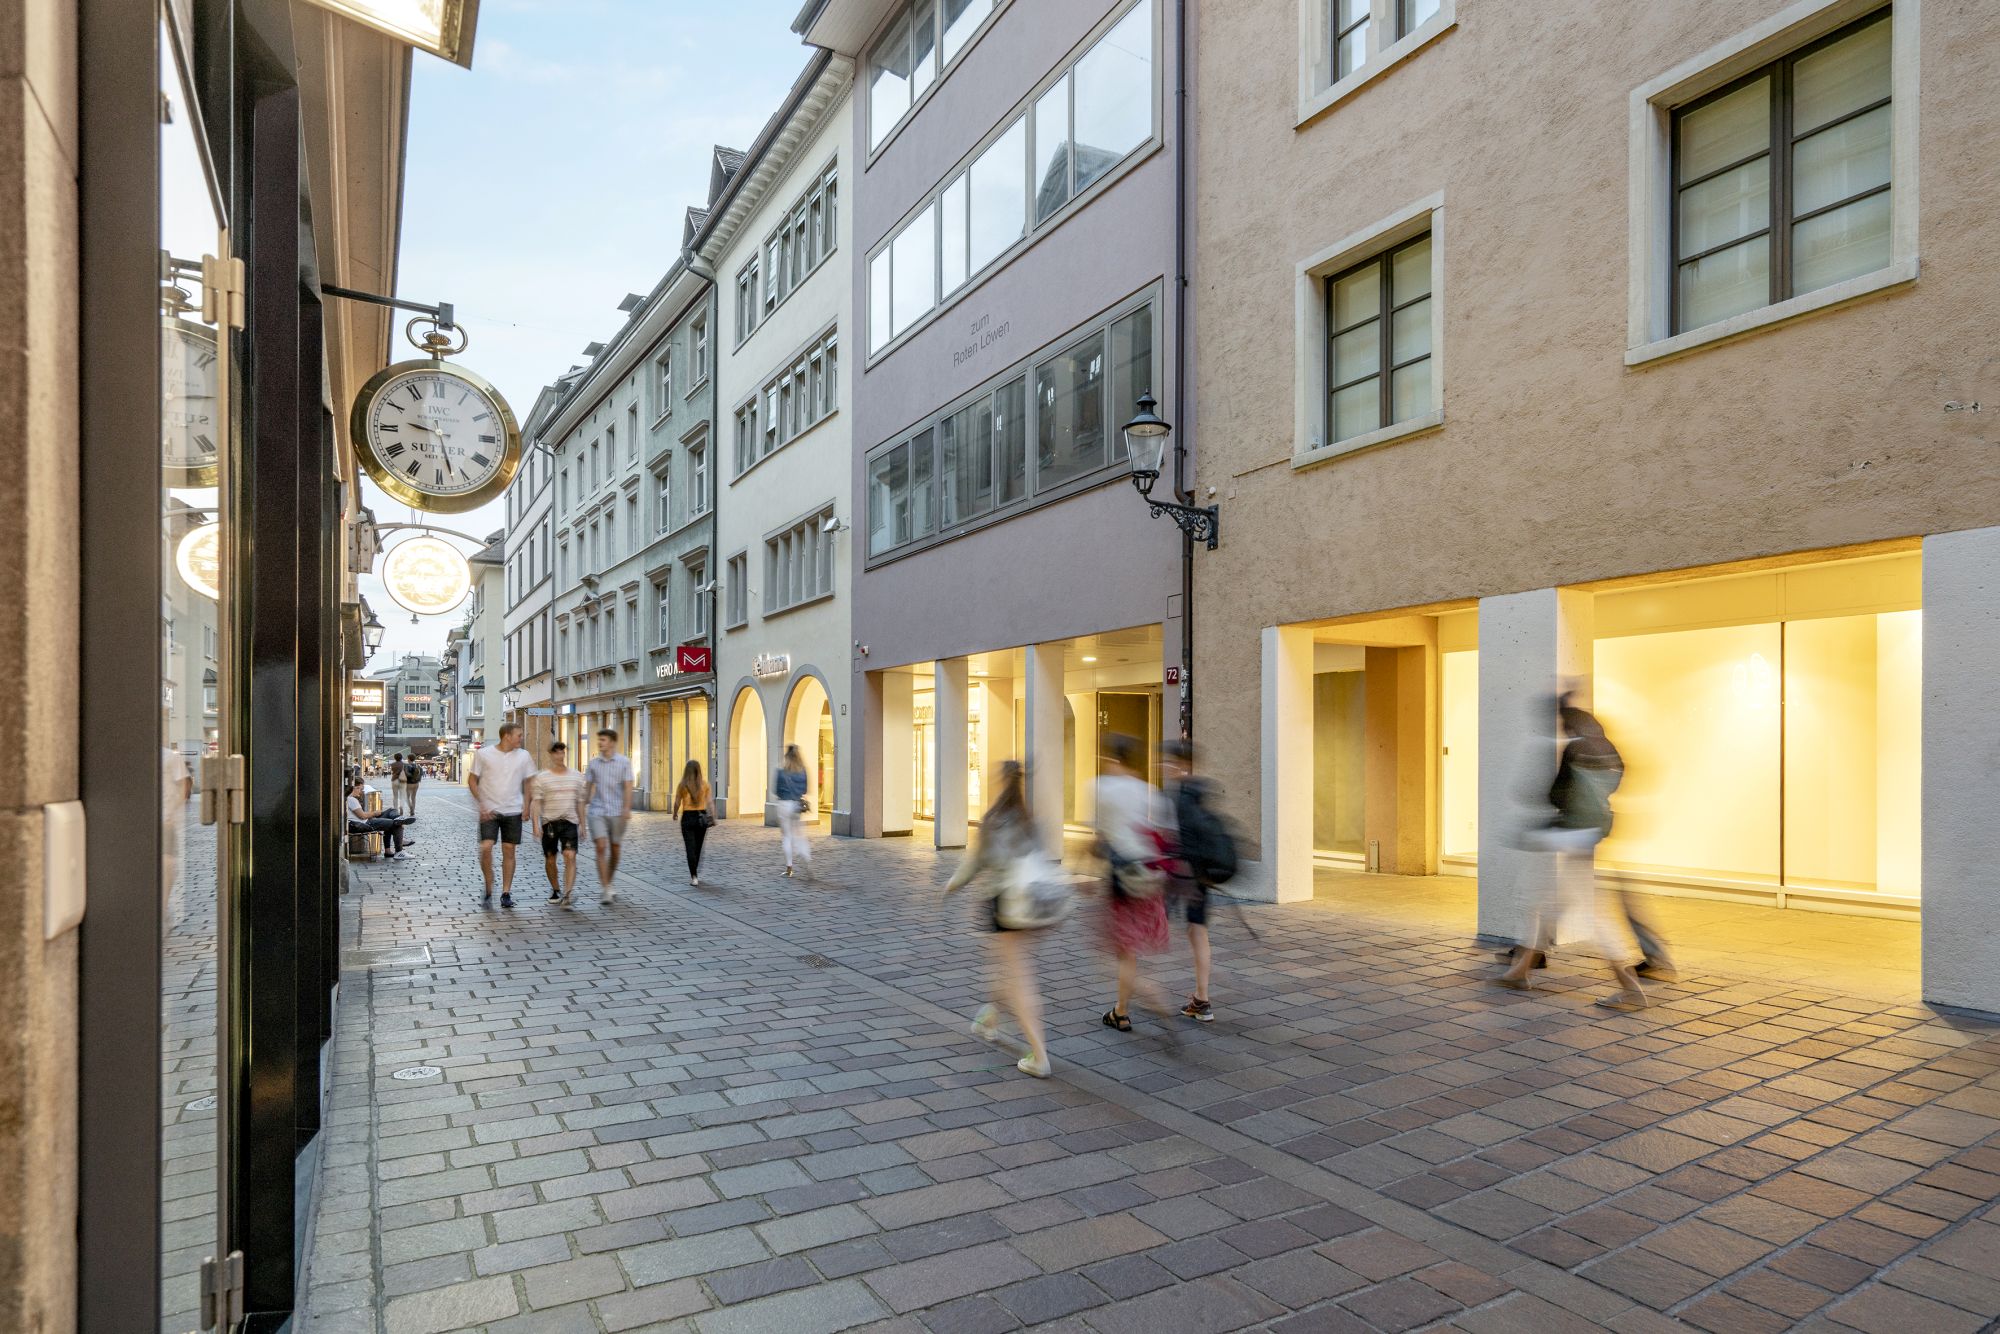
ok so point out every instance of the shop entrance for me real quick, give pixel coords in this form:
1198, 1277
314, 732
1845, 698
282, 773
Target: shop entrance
809, 726
749, 748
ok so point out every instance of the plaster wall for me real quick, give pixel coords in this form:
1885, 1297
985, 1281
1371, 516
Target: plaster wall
800, 477
38, 653
1555, 463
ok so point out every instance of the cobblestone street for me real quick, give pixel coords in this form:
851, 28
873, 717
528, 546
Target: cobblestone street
755, 1107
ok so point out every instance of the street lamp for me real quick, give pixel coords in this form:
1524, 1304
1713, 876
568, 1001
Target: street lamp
510, 700
1146, 445
371, 633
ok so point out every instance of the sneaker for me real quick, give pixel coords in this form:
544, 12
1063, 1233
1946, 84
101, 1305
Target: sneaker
1197, 1008
986, 1024
788, 873
399, 856
609, 898
1028, 1065
555, 896
506, 900
694, 880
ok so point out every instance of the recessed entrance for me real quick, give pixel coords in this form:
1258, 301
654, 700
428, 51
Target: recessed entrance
748, 748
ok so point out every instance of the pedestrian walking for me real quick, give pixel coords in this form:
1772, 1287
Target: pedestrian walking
1131, 836
399, 788
691, 808
556, 813
413, 776
793, 807
1025, 897
389, 824
1588, 772
1207, 858
499, 781
610, 782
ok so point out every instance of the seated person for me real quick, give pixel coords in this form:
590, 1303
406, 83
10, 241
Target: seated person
388, 823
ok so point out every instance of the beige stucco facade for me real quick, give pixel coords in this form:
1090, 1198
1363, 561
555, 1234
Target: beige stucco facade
1556, 463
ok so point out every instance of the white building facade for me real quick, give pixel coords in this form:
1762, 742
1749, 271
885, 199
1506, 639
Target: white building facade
527, 630
776, 242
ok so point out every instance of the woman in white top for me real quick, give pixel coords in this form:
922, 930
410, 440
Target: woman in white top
1131, 823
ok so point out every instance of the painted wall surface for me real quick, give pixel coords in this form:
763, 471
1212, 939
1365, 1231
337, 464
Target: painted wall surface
1095, 560
798, 479
1556, 463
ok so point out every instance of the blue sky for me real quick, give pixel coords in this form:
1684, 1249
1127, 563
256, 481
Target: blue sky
551, 179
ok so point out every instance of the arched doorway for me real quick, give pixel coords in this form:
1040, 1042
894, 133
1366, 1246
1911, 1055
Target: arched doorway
809, 726
749, 748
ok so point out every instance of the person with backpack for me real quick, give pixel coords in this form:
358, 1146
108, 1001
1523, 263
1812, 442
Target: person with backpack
1026, 896
1208, 854
399, 788
413, 774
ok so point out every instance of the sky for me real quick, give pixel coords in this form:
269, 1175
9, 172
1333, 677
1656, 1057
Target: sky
552, 178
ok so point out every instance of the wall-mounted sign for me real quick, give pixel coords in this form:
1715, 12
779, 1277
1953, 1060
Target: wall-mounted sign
771, 666
1173, 676
666, 670
367, 699
426, 575
198, 557
694, 658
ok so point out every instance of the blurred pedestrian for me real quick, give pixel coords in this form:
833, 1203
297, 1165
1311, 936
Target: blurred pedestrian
691, 807
413, 776
1588, 772
1207, 858
1025, 896
500, 778
555, 816
1132, 825
399, 788
610, 781
789, 786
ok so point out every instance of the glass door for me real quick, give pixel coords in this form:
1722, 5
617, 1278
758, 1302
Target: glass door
193, 667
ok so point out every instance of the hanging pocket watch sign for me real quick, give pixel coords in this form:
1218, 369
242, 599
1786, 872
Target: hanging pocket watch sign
188, 433
426, 576
434, 435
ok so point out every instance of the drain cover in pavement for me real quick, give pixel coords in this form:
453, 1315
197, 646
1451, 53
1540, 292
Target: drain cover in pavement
386, 956
417, 1072
201, 1104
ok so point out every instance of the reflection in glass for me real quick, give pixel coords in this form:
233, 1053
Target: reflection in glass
961, 20
1070, 393
878, 303
1114, 102
923, 48
952, 225
888, 500
913, 282
1726, 283
1841, 244
1727, 207
923, 516
1841, 162
1727, 130
889, 81
1131, 368
999, 197
1051, 170
1840, 79
1010, 439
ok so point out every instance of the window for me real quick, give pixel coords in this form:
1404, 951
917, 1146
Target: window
662, 500
562, 490
790, 403
209, 642
610, 452
611, 534
664, 368
632, 437
1351, 21
971, 463
746, 300
698, 576
798, 563
1378, 322
562, 564
700, 339
1782, 179
632, 520
925, 38
632, 629
1351, 42
1087, 122
662, 621
697, 479
737, 590
594, 474
746, 436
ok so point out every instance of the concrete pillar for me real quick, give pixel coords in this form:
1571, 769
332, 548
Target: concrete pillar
1961, 784
1532, 646
1045, 742
1287, 815
898, 772
950, 711
1400, 745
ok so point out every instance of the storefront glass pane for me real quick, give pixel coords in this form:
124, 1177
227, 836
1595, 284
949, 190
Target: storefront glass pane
1339, 781
1071, 420
1458, 788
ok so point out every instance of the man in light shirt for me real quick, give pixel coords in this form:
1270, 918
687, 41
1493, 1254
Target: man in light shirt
556, 812
499, 782
610, 782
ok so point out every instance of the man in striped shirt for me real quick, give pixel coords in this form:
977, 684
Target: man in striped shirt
556, 814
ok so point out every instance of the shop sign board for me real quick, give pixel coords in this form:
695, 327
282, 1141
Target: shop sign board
693, 658
368, 699
771, 666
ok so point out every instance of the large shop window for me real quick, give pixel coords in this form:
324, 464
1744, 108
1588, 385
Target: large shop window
1782, 178
913, 54
1094, 116
971, 462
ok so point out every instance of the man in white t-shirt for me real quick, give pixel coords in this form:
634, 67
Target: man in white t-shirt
610, 782
499, 782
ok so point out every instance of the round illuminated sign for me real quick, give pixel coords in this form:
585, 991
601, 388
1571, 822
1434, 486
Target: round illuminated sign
198, 557
426, 575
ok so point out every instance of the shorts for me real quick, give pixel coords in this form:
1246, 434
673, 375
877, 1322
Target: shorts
607, 826
1194, 902
506, 828
558, 836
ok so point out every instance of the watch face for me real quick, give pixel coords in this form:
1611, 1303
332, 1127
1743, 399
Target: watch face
435, 436
189, 414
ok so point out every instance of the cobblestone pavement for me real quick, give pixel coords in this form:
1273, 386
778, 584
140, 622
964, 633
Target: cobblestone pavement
754, 1106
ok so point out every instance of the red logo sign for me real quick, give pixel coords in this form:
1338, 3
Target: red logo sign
693, 658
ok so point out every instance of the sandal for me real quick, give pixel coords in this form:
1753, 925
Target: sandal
1121, 1022
1623, 1001
1512, 984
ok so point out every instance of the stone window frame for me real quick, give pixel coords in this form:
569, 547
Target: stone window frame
1311, 429
1319, 90
1650, 196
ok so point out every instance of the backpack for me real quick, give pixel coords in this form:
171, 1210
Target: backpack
413, 774
1206, 841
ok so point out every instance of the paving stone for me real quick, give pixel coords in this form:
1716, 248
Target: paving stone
1050, 1297
455, 1307
573, 1281
1379, 1255
667, 1260
761, 1279
1298, 1279
825, 1309
1399, 1305
1070, 1245
1128, 1276
906, 1287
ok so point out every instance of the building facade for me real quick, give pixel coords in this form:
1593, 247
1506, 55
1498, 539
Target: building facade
1015, 223
414, 719
778, 241
1665, 404
527, 624
632, 519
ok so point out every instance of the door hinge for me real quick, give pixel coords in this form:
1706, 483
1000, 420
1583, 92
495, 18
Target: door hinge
222, 290
222, 1291
222, 788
